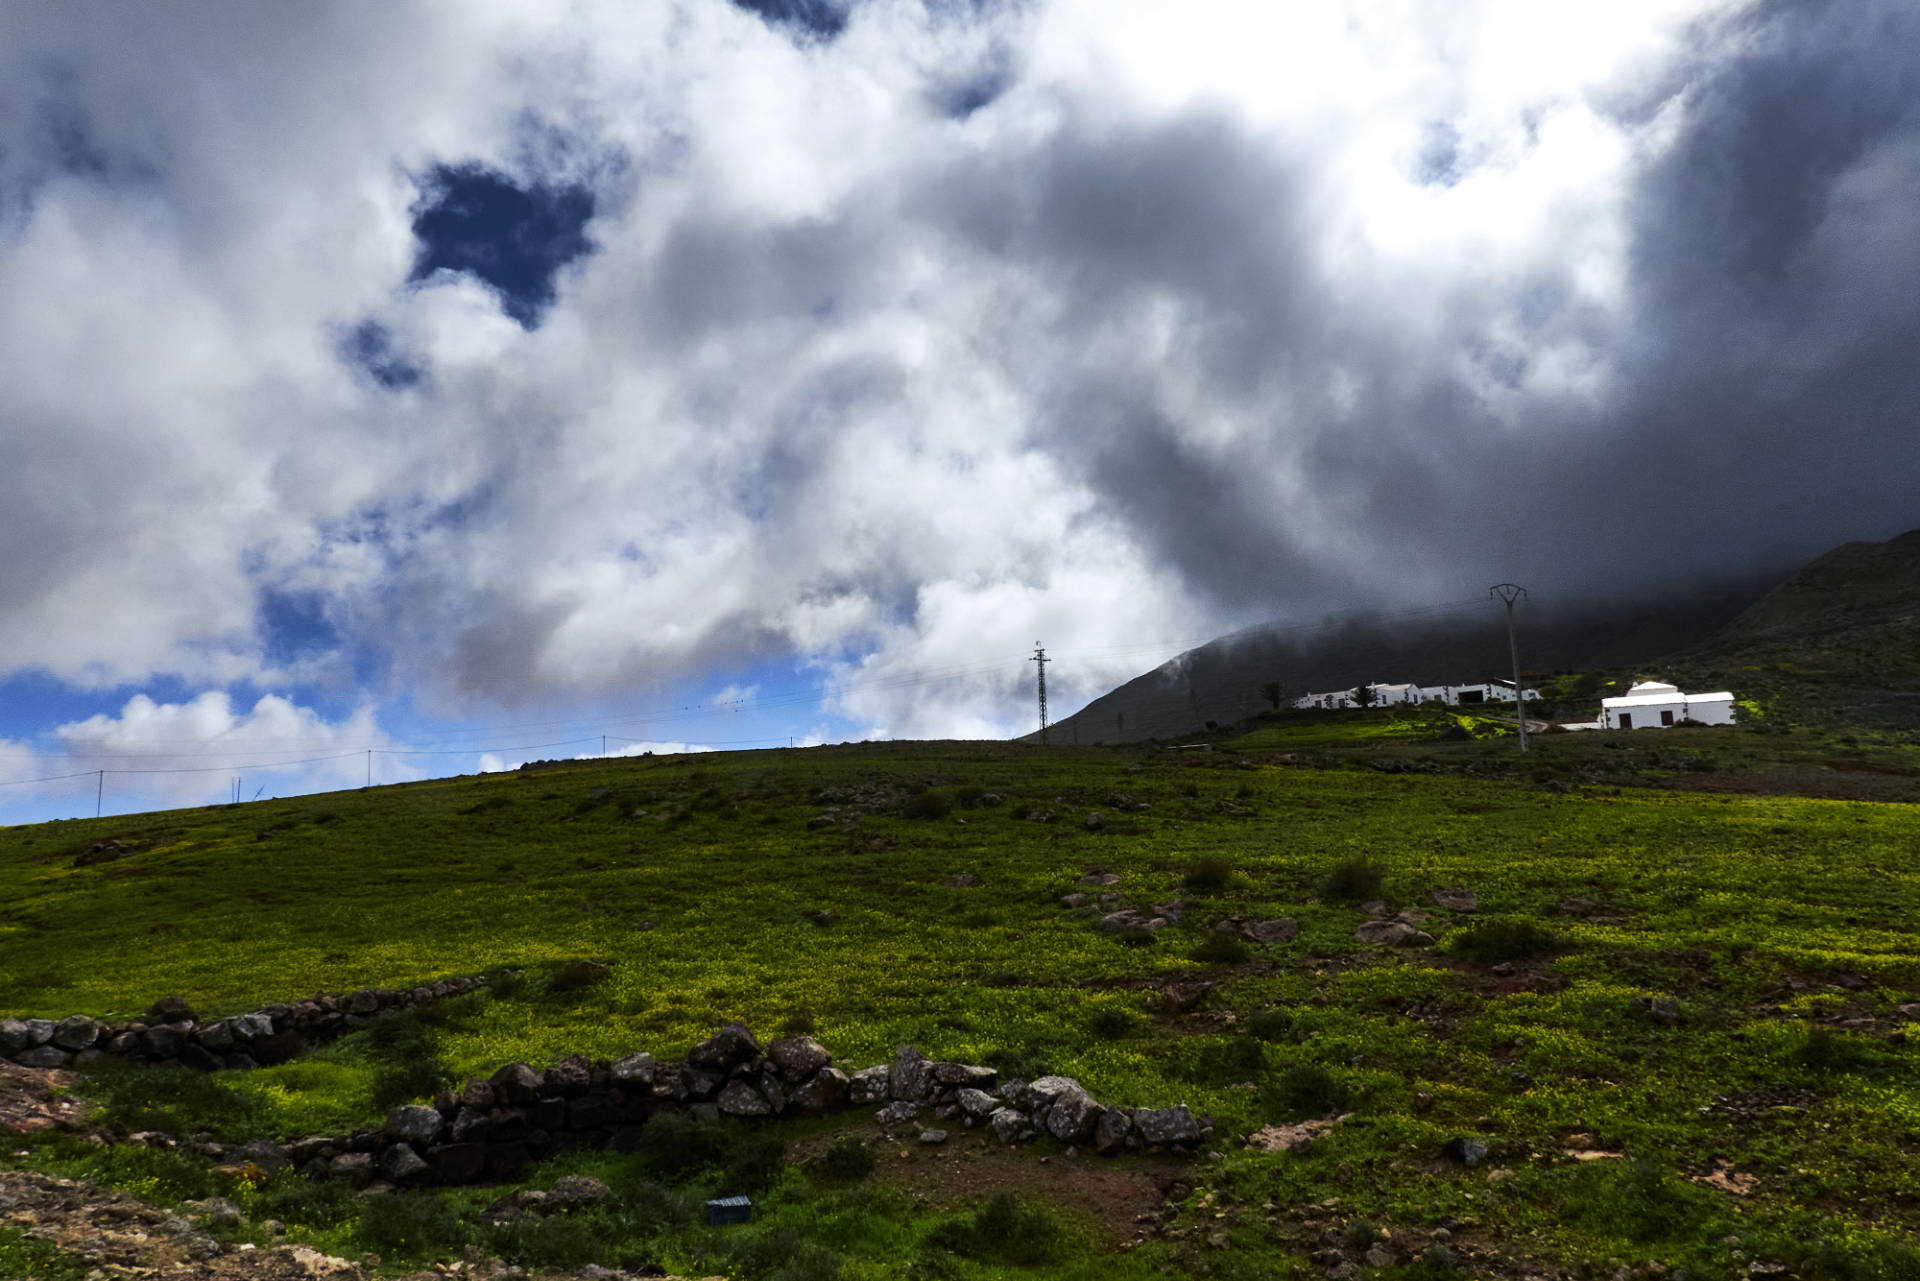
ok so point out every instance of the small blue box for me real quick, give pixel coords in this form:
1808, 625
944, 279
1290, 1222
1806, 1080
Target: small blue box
725, 1210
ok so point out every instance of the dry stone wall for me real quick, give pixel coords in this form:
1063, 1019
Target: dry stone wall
171, 1032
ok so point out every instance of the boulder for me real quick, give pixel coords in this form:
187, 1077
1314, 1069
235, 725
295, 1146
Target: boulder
798, 1057
43, 1056
571, 1077
515, 1084
899, 1112
773, 1087
741, 1099
933, 1137
13, 1037
476, 1093
730, 1045
910, 1078
965, 1075
1073, 900
1073, 1115
577, 1192
1282, 929
171, 1009
414, 1123
402, 1164
1095, 821
76, 1032
1456, 899
1392, 934
470, 1125
217, 1037
355, 1166
39, 1032
1111, 1131
824, 1091
251, 1027
1167, 1125
1010, 1125
279, 1047
977, 1104
458, 1162
1467, 1150
593, 1112
635, 1071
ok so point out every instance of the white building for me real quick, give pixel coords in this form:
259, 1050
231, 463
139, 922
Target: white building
1408, 695
1656, 704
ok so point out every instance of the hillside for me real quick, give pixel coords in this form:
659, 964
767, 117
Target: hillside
1438, 1025
1838, 641
1221, 681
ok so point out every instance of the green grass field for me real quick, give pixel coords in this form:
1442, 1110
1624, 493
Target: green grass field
1771, 1113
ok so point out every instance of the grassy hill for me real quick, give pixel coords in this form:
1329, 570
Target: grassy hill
1838, 642
1667, 1033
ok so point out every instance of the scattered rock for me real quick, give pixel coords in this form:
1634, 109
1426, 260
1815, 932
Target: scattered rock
1663, 1009
1167, 1125
1466, 1150
1096, 880
1283, 929
1095, 822
1376, 908
741, 1099
798, 1056
1456, 899
732, 1044
1576, 907
933, 1137
1290, 1138
577, 1192
1066, 900
963, 881
1392, 934
899, 1112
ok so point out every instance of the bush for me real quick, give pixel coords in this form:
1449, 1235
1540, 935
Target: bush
754, 1163
580, 973
178, 1100
927, 805
411, 1223
1355, 880
1826, 1051
1210, 875
1301, 1092
1111, 1023
1002, 1231
781, 1254
1228, 1062
1221, 948
314, 1203
1270, 1025
1639, 1200
799, 1022
1502, 940
674, 1145
847, 1161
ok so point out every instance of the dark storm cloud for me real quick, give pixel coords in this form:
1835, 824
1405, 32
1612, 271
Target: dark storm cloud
820, 19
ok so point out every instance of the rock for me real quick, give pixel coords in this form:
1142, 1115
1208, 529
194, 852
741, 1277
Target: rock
415, 1123
163, 1041
356, 1166
898, 1112
458, 1163
1167, 1125
516, 1083
869, 1085
265, 1153
730, 1045
1010, 1125
279, 1048
1911, 1010
824, 1091
741, 1099
932, 1137
39, 1032
577, 1192
470, 1125
969, 1075
1375, 908
1129, 919
13, 1037
476, 1094
593, 1112
76, 1032
1094, 880
402, 1164
1663, 1009
217, 1037
251, 1027
1576, 907
1283, 929
171, 1009
1111, 1131
798, 1057
1073, 1115
1466, 1150
1095, 821
1392, 934
963, 881
977, 1104
1379, 1256
43, 1056
635, 1071
1455, 899
220, 1212
571, 1077
911, 1077
1073, 900
1174, 911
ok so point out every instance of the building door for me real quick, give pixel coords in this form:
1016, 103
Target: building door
1666, 718
1626, 720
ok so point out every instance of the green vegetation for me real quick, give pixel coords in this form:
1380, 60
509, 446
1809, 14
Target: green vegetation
1710, 987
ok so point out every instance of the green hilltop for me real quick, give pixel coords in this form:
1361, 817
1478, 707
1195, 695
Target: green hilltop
1665, 1033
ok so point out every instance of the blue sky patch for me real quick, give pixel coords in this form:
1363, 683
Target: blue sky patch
370, 346
514, 239
822, 18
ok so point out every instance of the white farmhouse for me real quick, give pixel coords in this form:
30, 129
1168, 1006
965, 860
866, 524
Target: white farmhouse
1655, 704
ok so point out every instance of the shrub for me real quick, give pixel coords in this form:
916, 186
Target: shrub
674, 1145
293, 1198
1227, 1062
1221, 948
1210, 875
1826, 1051
176, 1099
568, 1242
847, 1161
799, 1022
755, 1162
927, 805
1111, 1023
1302, 1091
1502, 940
412, 1223
781, 1254
1002, 1231
580, 973
1355, 880
1270, 1025
1639, 1200
1136, 936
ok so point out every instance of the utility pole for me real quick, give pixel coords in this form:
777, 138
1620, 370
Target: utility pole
1508, 594
99, 792
603, 745
1040, 657
369, 767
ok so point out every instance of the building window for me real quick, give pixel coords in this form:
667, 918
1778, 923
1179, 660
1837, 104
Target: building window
1626, 720
1666, 718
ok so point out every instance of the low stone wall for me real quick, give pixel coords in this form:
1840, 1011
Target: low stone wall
170, 1032
494, 1128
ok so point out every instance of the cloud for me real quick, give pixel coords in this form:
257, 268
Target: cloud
504, 357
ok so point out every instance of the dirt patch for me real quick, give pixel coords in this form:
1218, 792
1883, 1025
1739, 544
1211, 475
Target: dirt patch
1115, 1194
28, 1101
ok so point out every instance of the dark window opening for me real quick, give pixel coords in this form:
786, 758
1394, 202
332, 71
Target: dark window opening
1473, 696
1666, 718
1626, 720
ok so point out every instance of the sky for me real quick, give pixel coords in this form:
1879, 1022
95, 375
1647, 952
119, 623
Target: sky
400, 390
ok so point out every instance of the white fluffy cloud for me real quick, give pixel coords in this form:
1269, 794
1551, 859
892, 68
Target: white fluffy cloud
1217, 312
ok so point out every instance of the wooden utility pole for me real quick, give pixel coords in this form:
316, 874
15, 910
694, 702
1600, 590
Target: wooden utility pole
1040, 657
1508, 594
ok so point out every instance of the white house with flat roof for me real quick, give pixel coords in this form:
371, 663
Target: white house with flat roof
1656, 704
